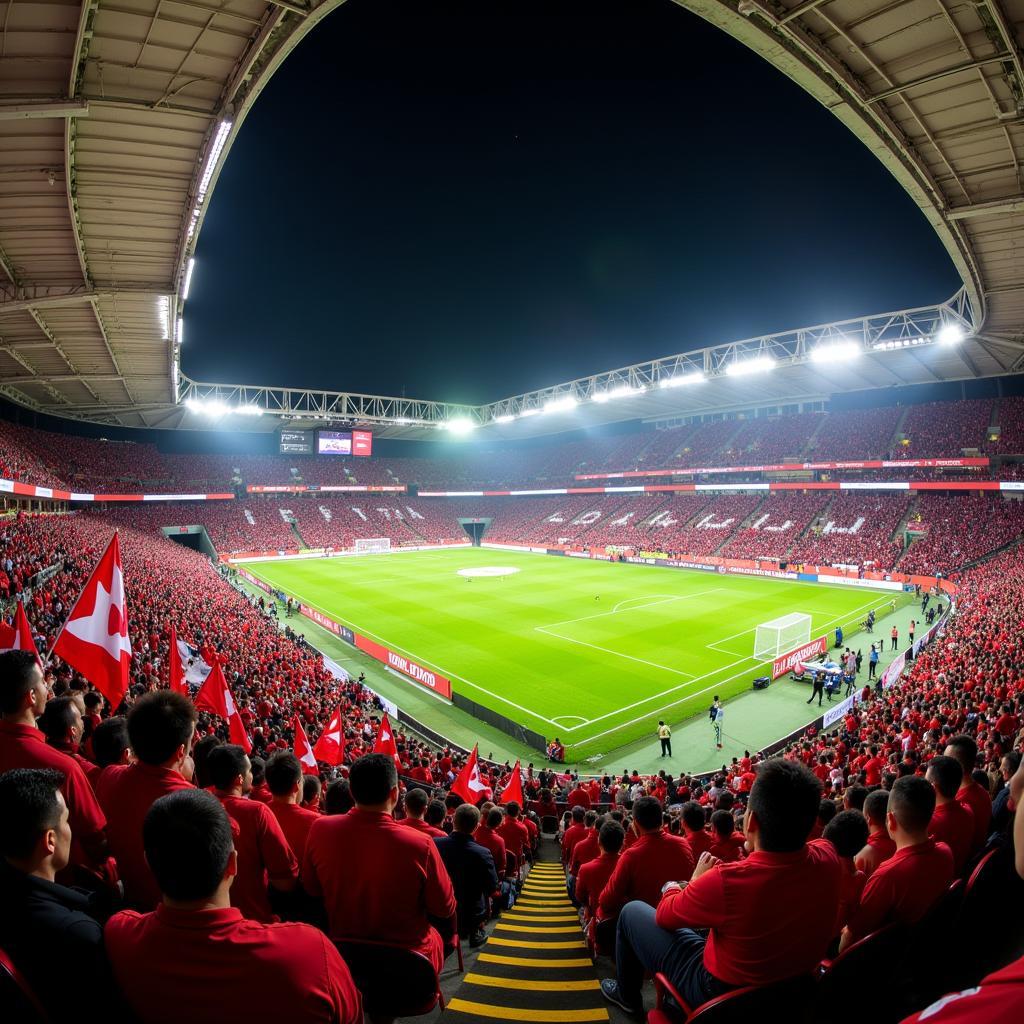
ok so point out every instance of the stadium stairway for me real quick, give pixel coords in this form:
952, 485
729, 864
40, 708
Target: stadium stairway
535, 965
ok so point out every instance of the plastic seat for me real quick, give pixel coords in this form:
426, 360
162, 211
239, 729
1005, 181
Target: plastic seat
18, 1000
787, 1000
394, 981
869, 957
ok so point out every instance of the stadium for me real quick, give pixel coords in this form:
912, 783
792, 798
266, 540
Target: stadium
507, 697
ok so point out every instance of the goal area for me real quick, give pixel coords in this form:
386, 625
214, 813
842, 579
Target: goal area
369, 545
781, 635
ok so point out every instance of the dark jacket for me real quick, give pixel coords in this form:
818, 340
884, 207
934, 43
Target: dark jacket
471, 868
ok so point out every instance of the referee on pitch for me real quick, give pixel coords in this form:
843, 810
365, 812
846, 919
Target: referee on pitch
665, 735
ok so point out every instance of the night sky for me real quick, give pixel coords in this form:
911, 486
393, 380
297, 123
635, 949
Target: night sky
465, 200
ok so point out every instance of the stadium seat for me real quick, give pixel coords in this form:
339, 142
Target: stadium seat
869, 957
376, 968
18, 1000
785, 1000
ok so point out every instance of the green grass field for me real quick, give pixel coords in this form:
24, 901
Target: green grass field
585, 650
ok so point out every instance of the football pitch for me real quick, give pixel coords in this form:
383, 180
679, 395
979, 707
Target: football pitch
585, 650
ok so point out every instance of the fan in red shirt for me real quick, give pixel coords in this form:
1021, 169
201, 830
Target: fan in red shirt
654, 859
416, 801
727, 844
284, 780
197, 950
952, 822
769, 916
378, 880
515, 834
848, 833
487, 836
588, 847
904, 888
879, 847
976, 797
579, 797
264, 855
697, 838
594, 875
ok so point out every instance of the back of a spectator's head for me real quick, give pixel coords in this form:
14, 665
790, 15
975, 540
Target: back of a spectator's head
466, 819
110, 741
259, 770
311, 788
338, 798
189, 844
611, 837
226, 765
826, 811
200, 755
21, 682
160, 726
783, 804
495, 817
876, 803
854, 797
591, 819
945, 774
35, 818
722, 823
416, 801
578, 815
693, 816
965, 750
435, 813
372, 779
512, 809
283, 772
911, 804
647, 813
62, 719
847, 832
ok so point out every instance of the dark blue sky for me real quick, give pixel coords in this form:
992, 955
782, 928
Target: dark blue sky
467, 200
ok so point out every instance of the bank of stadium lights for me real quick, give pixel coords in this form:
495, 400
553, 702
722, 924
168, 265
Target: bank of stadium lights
533, 411
564, 404
890, 346
460, 426
623, 391
835, 352
163, 308
506, 418
181, 330
216, 148
191, 265
215, 408
679, 380
744, 367
950, 334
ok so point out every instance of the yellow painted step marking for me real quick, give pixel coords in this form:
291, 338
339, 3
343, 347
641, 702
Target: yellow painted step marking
590, 985
510, 1013
538, 943
548, 903
537, 928
525, 961
539, 917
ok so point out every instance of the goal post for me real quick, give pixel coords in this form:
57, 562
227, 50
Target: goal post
370, 545
781, 635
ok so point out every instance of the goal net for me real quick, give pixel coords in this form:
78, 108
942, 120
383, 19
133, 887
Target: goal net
781, 635
367, 545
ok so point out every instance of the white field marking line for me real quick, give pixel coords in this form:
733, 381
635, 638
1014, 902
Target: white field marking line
424, 661
571, 718
617, 654
615, 611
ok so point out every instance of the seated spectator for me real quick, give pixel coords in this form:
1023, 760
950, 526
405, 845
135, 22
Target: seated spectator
110, 743
311, 788
515, 834
588, 847
903, 889
284, 780
645, 867
23, 694
416, 801
574, 833
45, 925
338, 798
260, 790
471, 869
196, 950
728, 844
378, 880
160, 727
952, 822
594, 875
488, 837
769, 916
976, 797
435, 816
694, 831
880, 846
1002, 815
63, 725
848, 834
264, 854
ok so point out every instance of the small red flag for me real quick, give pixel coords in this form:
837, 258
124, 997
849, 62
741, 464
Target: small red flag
385, 742
18, 637
214, 695
303, 751
514, 788
94, 637
176, 674
330, 747
469, 785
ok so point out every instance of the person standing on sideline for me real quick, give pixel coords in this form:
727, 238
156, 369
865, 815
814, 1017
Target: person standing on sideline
872, 662
911, 631
665, 735
895, 634
818, 688
717, 720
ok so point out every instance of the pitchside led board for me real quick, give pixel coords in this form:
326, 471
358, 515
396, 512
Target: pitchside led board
328, 442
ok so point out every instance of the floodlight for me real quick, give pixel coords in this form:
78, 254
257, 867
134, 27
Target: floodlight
461, 425
249, 410
625, 391
564, 404
181, 330
507, 418
193, 406
601, 397
835, 352
950, 334
188, 278
680, 379
533, 411
215, 407
742, 367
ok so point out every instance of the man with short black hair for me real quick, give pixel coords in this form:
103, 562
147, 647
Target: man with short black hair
879, 847
196, 950
769, 916
952, 822
416, 801
594, 875
110, 743
264, 856
471, 869
905, 887
694, 832
284, 781
378, 880
970, 794
46, 926
160, 727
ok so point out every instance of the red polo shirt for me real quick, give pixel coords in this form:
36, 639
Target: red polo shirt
731, 848
977, 799
698, 843
997, 1000
489, 839
573, 835
592, 879
880, 847
653, 860
419, 825
904, 888
127, 791
770, 915
24, 746
263, 854
579, 797
223, 967
516, 836
378, 880
585, 850
953, 824
295, 822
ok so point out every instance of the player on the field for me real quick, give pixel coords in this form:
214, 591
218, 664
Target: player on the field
717, 715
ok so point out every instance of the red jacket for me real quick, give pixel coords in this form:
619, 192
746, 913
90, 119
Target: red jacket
654, 859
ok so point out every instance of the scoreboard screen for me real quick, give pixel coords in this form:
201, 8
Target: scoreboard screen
344, 442
296, 442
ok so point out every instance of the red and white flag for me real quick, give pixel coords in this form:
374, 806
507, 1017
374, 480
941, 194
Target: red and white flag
214, 695
303, 751
18, 637
94, 638
469, 785
176, 673
330, 747
514, 788
385, 742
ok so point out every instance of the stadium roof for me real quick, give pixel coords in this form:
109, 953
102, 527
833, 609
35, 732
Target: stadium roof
115, 118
